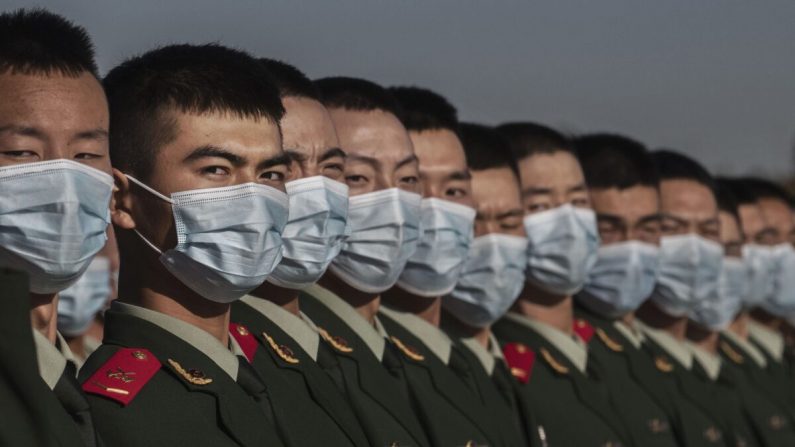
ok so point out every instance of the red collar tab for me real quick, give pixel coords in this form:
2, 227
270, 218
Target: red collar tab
248, 343
520, 360
124, 375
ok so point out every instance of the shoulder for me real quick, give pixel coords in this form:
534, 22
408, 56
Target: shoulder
118, 374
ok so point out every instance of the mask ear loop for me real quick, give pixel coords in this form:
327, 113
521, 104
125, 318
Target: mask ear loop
156, 194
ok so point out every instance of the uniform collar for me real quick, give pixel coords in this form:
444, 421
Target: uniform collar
709, 361
223, 356
671, 345
51, 358
437, 341
747, 347
488, 357
373, 335
299, 328
770, 340
631, 332
571, 346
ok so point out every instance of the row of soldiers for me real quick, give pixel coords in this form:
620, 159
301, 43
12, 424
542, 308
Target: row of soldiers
332, 262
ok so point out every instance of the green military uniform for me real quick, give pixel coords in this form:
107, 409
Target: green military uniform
284, 348
696, 424
159, 381
559, 387
627, 374
771, 344
32, 414
363, 365
441, 385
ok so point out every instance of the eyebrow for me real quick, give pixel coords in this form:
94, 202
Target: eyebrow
408, 160
532, 190
331, 153
214, 151
94, 134
578, 188
27, 131
364, 159
281, 159
463, 175
678, 220
295, 155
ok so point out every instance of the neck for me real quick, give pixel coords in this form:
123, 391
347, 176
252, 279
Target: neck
44, 315
554, 310
77, 346
653, 316
365, 304
702, 337
740, 324
629, 319
455, 326
766, 319
285, 298
429, 309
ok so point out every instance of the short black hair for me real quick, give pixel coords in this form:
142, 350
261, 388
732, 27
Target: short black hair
759, 188
615, 161
741, 195
37, 41
727, 201
526, 139
356, 94
672, 165
290, 81
485, 148
187, 78
422, 109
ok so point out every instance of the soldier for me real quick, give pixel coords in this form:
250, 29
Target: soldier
384, 218
561, 228
55, 189
280, 341
623, 187
199, 207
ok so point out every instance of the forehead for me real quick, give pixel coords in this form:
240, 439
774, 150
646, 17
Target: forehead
246, 136
687, 199
438, 148
373, 133
776, 212
307, 122
496, 189
729, 230
631, 203
751, 217
559, 168
52, 101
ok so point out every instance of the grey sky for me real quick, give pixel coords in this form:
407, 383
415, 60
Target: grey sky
713, 78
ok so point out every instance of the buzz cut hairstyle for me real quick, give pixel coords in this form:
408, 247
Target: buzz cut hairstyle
615, 161
356, 94
290, 81
423, 109
485, 148
36, 41
198, 79
758, 188
526, 139
672, 165
727, 200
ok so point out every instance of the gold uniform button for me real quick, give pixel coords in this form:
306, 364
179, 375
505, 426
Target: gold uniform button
242, 330
139, 355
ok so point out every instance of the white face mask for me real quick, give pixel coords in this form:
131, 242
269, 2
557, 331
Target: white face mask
759, 260
562, 248
491, 280
622, 279
78, 304
719, 309
385, 230
228, 239
434, 268
314, 233
53, 218
689, 270
781, 301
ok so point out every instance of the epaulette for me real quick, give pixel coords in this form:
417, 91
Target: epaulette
336, 342
245, 339
583, 329
408, 351
124, 375
731, 353
554, 363
284, 352
520, 360
608, 341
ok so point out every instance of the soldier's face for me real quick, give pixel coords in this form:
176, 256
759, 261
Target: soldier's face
730, 235
498, 202
552, 180
686, 207
755, 228
49, 117
627, 214
443, 166
379, 151
778, 216
310, 140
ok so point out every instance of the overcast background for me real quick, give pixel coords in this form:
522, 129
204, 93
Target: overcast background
715, 79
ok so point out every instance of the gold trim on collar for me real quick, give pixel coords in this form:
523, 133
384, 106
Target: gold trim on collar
337, 343
731, 353
408, 351
663, 364
609, 342
556, 365
282, 351
193, 376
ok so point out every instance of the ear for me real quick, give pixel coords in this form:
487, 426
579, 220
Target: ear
121, 205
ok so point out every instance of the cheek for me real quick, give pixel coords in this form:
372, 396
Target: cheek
154, 219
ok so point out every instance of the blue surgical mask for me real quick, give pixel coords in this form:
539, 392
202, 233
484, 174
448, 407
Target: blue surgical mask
53, 218
622, 279
781, 300
759, 260
228, 239
385, 230
689, 270
314, 233
719, 309
491, 280
562, 248
80, 302
433, 269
